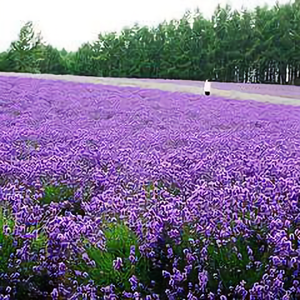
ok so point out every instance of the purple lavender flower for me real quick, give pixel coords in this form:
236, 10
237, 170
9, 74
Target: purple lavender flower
133, 282
6, 230
117, 264
166, 274
54, 294
132, 250
62, 268
203, 279
127, 295
276, 260
170, 253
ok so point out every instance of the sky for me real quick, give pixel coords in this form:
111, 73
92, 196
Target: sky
70, 23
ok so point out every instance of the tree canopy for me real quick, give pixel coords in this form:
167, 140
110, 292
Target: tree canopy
262, 45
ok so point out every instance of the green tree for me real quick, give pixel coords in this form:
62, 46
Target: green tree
52, 61
81, 62
3, 64
25, 54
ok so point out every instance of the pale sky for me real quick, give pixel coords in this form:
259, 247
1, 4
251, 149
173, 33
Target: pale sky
69, 23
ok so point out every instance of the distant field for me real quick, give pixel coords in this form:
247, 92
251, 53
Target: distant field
278, 94
264, 89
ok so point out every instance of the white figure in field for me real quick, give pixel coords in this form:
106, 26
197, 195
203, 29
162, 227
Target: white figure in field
207, 88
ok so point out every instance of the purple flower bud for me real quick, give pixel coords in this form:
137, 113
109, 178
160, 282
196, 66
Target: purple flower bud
166, 274
85, 257
132, 259
117, 264
286, 297
276, 260
211, 296
62, 267
92, 264
170, 253
127, 295
54, 294
249, 250
6, 230
133, 282
132, 250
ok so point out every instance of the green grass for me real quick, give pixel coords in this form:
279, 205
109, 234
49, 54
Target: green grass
6, 241
59, 193
119, 239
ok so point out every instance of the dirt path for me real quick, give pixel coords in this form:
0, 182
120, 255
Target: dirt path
231, 94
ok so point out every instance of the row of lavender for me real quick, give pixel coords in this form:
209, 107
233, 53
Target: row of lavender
264, 89
126, 193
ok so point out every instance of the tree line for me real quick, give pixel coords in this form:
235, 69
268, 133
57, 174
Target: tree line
260, 45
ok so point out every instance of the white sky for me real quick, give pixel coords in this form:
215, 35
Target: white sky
69, 23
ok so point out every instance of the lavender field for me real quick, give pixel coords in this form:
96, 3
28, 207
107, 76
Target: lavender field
113, 192
286, 91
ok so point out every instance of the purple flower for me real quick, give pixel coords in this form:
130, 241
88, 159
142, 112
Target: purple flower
132, 250
54, 294
77, 273
6, 230
203, 279
127, 295
85, 257
133, 282
62, 268
170, 253
117, 264
166, 274
276, 260
286, 297
132, 259
250, 251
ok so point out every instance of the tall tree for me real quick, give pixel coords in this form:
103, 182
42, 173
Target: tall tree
52, 61
25, 54
3, 62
